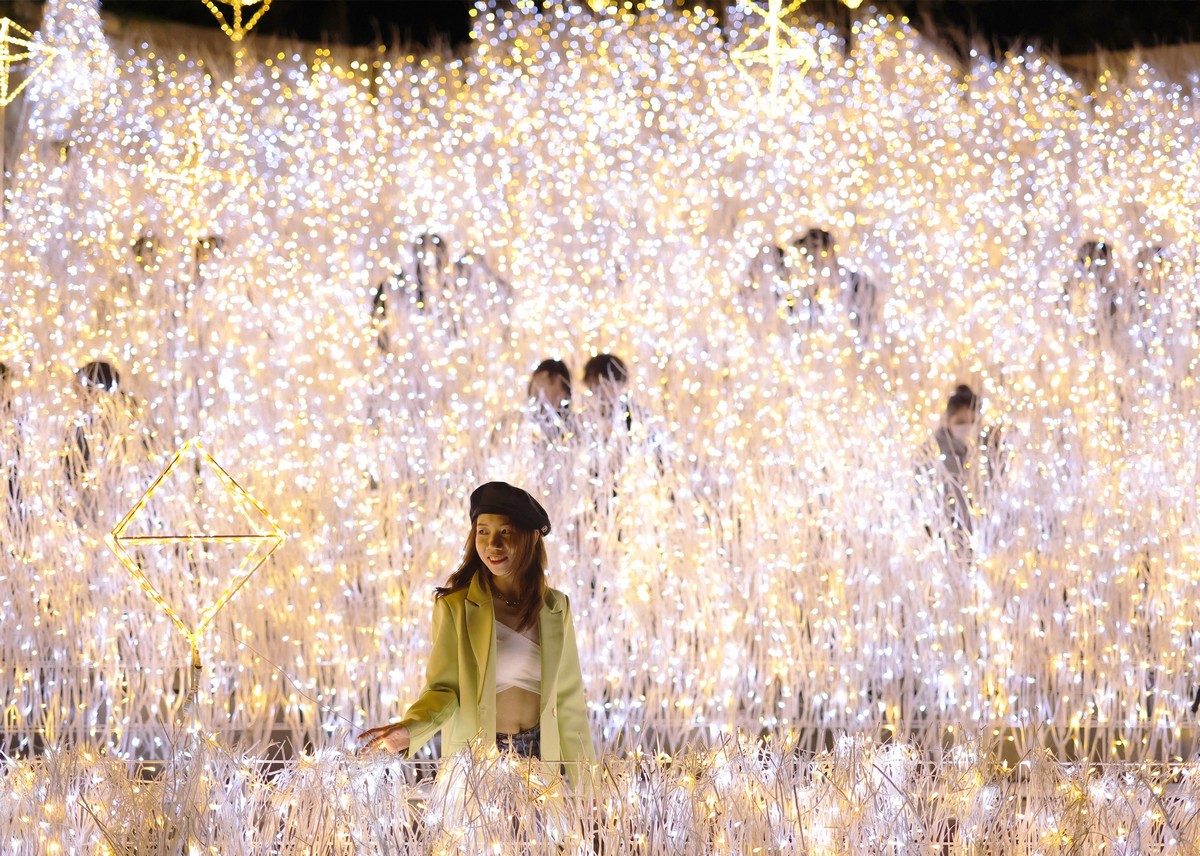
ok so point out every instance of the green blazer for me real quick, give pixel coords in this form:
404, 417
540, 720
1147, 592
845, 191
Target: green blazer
459, 697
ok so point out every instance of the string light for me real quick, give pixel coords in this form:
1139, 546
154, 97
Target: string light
263, 539
184, 171
17, 46
736, 797
241, 25
782, 45
776, 44
17, 49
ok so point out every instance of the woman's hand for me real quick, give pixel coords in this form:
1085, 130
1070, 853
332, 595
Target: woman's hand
392, 737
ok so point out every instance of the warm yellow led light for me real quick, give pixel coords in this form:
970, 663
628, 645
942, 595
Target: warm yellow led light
183, 171
264, 539
238, 29
773, 43
15, 49
617, 8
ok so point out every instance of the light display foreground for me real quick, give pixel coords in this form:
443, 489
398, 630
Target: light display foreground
732, 798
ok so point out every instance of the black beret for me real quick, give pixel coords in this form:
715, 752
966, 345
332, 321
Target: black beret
512, 502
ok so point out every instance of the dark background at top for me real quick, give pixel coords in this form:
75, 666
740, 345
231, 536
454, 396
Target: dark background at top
1068, 26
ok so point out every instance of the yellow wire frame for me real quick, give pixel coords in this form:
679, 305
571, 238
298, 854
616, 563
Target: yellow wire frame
269, 535
9, 59
781, 41
238, 30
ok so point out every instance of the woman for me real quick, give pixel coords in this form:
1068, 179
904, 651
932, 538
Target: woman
550, 393
504, 662
959, 427
606, 376
550, 386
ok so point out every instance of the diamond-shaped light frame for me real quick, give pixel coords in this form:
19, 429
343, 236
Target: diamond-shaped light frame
265, 533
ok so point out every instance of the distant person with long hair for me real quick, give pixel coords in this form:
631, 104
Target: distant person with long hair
958, 431
504, 665
10, 449
101, 438
607, 378
550, 396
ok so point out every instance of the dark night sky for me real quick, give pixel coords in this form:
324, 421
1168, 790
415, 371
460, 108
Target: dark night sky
1072, 26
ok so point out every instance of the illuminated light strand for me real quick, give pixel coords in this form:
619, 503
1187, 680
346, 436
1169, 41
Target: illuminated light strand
238, 29
16, 49
266, 538
784, 45
28, 51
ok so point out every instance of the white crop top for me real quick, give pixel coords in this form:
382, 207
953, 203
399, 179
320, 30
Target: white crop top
518, 661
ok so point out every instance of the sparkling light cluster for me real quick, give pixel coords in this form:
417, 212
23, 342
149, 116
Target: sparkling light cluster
767, 546
735, 797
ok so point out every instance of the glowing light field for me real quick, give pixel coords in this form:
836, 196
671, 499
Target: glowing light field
787, 645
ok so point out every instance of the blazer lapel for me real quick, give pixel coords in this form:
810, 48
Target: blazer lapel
480, 628
550, 625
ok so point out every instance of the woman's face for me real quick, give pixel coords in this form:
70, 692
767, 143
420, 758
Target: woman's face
549, 389
961, 423
606, 392
496, 543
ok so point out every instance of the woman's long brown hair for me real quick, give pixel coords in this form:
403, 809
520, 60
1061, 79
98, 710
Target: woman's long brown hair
529, 554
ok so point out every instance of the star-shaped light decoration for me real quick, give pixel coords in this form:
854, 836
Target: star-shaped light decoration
241, 25
194, 512
17, 46
185, 171
774, 43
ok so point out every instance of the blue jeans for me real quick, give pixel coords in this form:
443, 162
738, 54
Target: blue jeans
527, 743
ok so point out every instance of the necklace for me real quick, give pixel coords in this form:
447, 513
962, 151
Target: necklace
512, 604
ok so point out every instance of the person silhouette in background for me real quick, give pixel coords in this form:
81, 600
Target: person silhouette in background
817, 273
550, 397
10, 449
768, 274
102, 424
1096, 273
607, 377
430, 266
412, 289
1148, 286
954, 437
380, 317
862, 303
